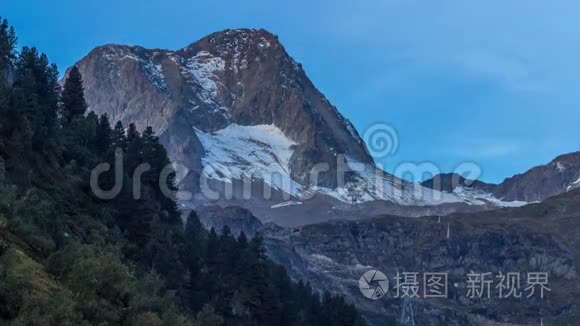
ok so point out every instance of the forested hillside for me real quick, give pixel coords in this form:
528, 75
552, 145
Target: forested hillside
69, 257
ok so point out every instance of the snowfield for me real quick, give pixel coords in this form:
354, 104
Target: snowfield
203, 67
263, 152
257, 152
478, 197
374, 184
574, 185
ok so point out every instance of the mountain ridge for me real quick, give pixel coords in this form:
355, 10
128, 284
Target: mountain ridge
559, 175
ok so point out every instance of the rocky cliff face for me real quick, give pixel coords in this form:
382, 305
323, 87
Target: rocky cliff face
539, 237
560, 175
234, 77
236, 218
449, 182
541, 182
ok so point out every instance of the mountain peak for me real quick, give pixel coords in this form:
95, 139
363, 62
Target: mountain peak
255, 36
235, 43
567, 159
236, 77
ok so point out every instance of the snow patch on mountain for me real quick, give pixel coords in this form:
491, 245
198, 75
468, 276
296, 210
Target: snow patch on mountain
287, 203
203, 67
264, 43
239, 60
372, 184
574, 185
477, 197
155, 74
115, 55
263, 152
249, 152
118, 53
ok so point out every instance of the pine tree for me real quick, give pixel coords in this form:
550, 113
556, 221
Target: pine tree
194, 250
35, 95
73, 99
195, 241
153, 152
119, 138
7, 45
103, 135
134, 148
133, 135
149, 155
90, 131
210, 283
47, 88
25, 98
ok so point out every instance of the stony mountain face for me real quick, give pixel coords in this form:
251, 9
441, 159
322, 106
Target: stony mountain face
556, 177
235, 77
236, 218
560, 175
541, 237
448, 182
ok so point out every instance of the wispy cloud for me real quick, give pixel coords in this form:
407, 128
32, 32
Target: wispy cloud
486, 149
509, 72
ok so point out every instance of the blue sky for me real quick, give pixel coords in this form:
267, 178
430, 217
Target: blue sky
494, 82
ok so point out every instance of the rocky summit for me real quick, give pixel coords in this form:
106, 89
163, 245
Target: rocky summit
227, 79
